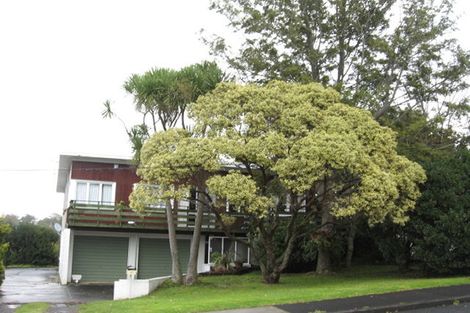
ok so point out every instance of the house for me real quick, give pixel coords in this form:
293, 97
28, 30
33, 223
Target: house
101, 236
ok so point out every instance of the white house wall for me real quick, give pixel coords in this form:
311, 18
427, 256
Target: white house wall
65, 256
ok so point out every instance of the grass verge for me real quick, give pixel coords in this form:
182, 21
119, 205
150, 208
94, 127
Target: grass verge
230, 292
36, 307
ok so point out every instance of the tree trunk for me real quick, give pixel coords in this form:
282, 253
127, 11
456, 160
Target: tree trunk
403, 259
271, 277
323, 260
175, 262
341, 16
191, 276
351, 237
269, 269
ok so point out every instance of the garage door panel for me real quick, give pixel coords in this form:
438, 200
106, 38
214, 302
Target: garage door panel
100, 259
155, 257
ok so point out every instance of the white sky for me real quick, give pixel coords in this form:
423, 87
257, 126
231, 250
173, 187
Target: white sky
60, 60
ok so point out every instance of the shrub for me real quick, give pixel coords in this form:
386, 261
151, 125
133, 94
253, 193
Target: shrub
442, 221
4, 230
32, 244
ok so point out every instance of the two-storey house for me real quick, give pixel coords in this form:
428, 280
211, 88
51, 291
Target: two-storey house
101, 236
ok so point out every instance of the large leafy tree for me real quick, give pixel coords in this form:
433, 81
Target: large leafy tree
161, 96
387, 56
258, 145
380, 54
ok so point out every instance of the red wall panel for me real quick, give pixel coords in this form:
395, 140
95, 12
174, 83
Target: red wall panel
124, 176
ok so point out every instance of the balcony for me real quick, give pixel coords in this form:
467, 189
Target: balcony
88, 215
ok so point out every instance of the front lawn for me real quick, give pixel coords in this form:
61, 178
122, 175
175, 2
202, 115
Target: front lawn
229, 292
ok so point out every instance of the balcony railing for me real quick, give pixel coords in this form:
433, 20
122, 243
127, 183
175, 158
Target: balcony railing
118, 216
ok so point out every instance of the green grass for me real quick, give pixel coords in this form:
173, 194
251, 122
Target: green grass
36, 307
229, 292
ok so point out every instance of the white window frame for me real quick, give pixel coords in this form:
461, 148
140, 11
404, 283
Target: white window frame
209, 250
100, 192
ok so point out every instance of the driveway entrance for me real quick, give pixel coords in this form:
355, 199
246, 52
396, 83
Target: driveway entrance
25, 285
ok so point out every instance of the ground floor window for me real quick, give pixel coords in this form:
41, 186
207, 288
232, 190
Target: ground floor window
236, 251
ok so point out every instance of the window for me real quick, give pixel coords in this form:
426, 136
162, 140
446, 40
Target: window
223, 245
107, 193
95, 193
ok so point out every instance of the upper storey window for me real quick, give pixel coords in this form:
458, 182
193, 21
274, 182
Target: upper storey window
95, 192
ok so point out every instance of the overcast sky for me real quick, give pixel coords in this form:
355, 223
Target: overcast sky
60, 60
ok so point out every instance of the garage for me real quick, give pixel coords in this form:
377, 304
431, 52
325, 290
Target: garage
100, 259
155, 258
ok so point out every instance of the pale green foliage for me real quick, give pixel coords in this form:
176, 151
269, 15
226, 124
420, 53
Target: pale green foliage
302, 135
282, 139
241, 191
143, 196
173, 156
169, 160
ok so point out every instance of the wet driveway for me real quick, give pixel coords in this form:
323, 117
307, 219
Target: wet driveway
25, 285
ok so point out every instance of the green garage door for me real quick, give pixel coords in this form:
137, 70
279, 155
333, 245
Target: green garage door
100, 259
155, 259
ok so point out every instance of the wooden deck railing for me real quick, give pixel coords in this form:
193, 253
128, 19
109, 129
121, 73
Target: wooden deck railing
118, 216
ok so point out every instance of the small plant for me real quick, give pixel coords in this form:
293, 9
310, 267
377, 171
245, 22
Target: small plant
221, 262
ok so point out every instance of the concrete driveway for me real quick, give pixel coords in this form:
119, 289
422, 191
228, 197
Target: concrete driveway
25, 285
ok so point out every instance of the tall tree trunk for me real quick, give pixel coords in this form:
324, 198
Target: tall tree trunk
191, 276
273, 264
350, 240
176, 275
182, 118
269, 270
323, 260
403, 257
341, 17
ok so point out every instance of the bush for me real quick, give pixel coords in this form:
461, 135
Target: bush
442, 221
437, 237
32, 244
4, 230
